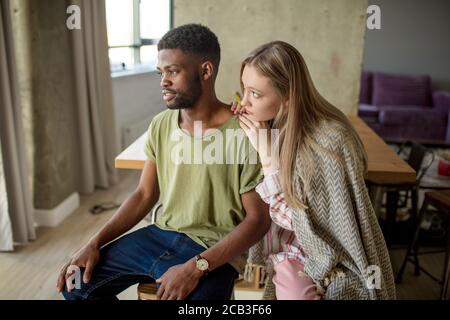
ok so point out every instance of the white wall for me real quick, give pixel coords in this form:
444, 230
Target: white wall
328, 33
136, 97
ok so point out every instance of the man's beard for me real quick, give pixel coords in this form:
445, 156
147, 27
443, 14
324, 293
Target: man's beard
187, 99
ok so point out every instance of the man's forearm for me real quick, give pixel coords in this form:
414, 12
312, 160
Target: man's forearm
247, 233
130, 213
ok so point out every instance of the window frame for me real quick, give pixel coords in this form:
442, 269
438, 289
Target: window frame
138, 41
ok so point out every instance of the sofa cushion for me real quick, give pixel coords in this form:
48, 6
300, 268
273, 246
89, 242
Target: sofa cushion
441, 101
368, 110
412, 123
401, 90
407, 115
368, 113
365, 92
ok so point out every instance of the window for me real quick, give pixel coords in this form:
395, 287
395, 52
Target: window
134, 28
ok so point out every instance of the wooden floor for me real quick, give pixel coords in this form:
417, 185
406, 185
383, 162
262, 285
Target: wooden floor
31, 271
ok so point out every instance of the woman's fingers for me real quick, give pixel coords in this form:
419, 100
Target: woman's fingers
248, 122
243, 125
237, 108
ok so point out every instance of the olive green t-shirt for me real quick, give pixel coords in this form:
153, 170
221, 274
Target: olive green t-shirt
201, 178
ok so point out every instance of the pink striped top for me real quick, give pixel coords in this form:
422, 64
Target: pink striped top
280, 242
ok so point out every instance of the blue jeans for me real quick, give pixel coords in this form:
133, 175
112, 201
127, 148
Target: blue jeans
145, 255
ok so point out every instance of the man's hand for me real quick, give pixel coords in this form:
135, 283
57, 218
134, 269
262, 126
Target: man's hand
87, 257
178, 281
132, 210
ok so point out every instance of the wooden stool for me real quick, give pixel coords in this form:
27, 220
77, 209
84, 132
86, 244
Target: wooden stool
147, 291
256, 281
441, 201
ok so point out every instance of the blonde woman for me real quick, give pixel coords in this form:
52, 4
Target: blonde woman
325, 241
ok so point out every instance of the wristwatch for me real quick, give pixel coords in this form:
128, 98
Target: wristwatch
202, 264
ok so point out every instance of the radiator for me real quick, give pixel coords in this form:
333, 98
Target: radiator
133, 131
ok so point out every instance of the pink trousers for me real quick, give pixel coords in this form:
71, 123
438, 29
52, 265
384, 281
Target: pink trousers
291, 283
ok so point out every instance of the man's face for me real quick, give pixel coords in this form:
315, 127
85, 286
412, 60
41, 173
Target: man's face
180, 79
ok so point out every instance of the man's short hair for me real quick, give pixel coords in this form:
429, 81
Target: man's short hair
193, 38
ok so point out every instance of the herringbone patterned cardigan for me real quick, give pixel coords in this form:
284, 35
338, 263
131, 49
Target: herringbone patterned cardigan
339, 231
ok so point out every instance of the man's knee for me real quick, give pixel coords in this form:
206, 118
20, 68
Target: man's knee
218, 285
78, 292
74, 294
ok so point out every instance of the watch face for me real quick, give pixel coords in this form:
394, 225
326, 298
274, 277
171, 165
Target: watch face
202, 264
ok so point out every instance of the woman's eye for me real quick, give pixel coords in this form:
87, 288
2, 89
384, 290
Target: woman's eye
255, 95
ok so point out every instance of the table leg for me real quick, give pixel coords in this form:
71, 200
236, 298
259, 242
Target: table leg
391, 213
446, 275
413, 246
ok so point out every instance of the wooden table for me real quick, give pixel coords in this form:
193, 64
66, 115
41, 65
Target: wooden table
384, 165
134, 156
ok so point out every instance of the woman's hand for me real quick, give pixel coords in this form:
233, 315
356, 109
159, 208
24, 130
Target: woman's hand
259, 134
237, 108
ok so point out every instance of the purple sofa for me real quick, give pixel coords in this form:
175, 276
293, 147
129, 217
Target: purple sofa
404, 108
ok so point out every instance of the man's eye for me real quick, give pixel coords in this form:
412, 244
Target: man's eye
159, 73
174, 73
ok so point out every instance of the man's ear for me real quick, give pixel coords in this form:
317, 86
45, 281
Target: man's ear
207, 70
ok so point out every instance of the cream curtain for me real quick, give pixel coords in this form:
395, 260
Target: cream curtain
16, 210
93, 87
6, 238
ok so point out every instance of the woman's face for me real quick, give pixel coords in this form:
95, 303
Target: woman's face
261, 101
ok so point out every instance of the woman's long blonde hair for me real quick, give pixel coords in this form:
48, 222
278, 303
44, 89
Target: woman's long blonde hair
298, 119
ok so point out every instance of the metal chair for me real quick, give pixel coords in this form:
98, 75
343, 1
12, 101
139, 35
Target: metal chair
415, 160
441, 201
398, 195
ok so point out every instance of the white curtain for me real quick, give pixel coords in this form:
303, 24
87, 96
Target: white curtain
16, 210
6, 238
93, 88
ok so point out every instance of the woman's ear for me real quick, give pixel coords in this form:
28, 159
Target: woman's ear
207, 70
